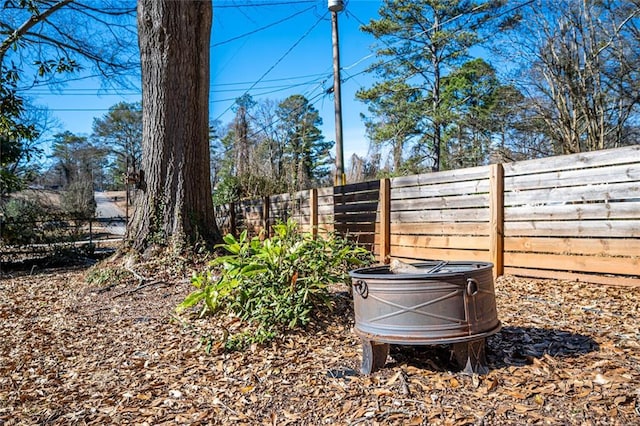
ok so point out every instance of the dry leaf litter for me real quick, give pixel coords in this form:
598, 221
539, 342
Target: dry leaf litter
70, 353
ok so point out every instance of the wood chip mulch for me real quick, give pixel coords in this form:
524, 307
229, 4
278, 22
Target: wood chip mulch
568, 353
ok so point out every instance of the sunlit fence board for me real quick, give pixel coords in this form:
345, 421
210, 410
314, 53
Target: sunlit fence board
578, 215
294, 206
443, 216
249, 216
224, 218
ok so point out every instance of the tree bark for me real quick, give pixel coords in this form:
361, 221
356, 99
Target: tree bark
174, 206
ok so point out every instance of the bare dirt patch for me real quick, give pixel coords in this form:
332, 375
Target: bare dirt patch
73, 354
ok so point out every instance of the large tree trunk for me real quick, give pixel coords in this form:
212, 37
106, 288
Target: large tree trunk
175, 205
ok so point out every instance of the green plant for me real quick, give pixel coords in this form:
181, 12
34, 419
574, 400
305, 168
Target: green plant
274, 284
106, 277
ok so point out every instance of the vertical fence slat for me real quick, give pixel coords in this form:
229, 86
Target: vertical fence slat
385, 220
232, 219
496, 211
313, 213
265, 216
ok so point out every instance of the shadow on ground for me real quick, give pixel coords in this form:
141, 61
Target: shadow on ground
512, 346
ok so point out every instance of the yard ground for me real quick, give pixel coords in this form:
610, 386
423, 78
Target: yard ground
71, 353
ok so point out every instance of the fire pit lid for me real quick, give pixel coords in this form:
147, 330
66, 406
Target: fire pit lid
440, 269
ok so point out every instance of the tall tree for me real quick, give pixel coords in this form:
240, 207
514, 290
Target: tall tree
270, 144
76, 159
475, 102
174, 207
579, 67
421, 42
120, 133
15, 135
396, 117
307, 154
241, 129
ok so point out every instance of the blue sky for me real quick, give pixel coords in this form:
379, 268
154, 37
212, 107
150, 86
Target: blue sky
293, 57
271, 49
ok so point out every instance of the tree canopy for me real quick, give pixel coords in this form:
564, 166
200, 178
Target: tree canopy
419, 43
272, 147
43, 40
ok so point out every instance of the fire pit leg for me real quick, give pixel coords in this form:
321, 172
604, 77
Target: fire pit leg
374, 355
471, 356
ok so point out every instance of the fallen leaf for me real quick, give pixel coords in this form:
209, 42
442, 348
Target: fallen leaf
600, 379
393, 379
520, 408
382, 392
538, 399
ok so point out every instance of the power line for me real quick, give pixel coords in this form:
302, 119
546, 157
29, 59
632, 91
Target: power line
138, 93
278, 119
281, 3
211, 101
272, 79
94, 94
116, 92
278, 61
257, 30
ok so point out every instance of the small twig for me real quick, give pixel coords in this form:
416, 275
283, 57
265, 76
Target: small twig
140, 287
413, 401
391, 412
137, 275
106, 288
217, 401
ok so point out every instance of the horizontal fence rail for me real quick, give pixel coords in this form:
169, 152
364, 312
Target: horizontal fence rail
20, 238
574, 217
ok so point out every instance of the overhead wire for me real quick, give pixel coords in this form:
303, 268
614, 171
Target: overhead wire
116, 91
277, 62
261, 4
244, 91
311, 101
257, 30
261, 79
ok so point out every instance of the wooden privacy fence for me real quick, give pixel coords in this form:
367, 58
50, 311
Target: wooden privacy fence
574, 217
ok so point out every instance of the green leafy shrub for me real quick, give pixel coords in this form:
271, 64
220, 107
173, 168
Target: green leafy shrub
274, 284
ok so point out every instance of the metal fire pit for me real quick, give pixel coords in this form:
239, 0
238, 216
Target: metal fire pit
443, 303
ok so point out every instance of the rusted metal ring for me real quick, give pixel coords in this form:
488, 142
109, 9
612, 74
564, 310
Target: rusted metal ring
360, 286
472, 286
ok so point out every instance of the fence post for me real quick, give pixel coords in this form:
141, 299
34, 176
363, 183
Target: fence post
313, 207
265, 216
232, 219
385, 220
496, 211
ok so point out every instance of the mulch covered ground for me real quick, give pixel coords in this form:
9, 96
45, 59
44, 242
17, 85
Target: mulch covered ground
71, 353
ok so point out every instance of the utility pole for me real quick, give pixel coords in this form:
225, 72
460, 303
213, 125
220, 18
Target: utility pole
336, 6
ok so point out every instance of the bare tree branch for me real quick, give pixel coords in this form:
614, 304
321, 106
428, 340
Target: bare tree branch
26, 26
